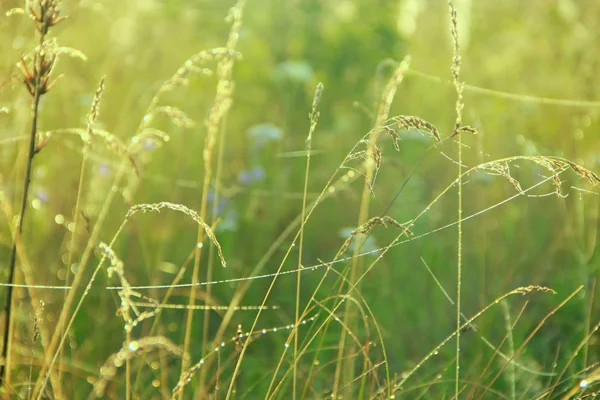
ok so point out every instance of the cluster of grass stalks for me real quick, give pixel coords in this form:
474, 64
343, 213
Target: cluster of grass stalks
297, 321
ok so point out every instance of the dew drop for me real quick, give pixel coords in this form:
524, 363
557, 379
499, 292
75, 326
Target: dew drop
61, 274
18, 42
36, 204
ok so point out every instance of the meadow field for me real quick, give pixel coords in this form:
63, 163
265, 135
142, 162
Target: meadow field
299, 199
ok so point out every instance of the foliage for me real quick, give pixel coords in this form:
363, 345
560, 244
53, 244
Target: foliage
326, 154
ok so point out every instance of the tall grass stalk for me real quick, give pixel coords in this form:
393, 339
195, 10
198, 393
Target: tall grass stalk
36, 78
582, 345
588, 320
520, 290
529, 337
303, 218
65, 317
458, 85
314, 118
508, 325
211, 252
8, 306
346, 373
29, 284
218, 111
361, 304
332, 186
497, 351
91, 118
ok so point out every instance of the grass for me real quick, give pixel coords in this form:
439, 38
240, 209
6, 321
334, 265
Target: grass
193, 234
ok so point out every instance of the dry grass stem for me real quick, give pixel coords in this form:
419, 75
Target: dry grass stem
129, 351
126, 293
523, 290
555, 165
240, 339
368, 226
143, 208
407, 122
36, 70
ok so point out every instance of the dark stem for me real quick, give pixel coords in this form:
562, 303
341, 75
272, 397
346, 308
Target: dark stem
19, 227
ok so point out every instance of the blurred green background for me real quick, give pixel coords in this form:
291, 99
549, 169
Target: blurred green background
538, 48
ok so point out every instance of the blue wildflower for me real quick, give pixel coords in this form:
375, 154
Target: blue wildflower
222, 204
248, 177
262, 134
42, 195
104, 169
